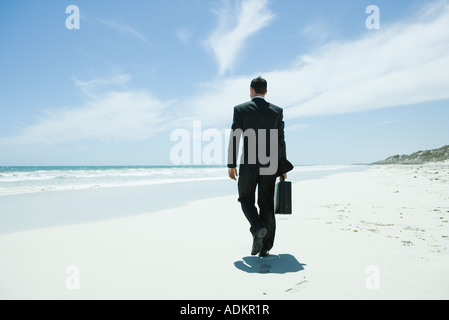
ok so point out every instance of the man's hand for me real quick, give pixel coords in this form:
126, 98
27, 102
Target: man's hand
232, 173
283, 177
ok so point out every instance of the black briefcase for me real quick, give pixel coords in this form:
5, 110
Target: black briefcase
283, 198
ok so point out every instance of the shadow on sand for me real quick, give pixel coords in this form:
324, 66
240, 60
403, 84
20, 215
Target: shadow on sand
282, 263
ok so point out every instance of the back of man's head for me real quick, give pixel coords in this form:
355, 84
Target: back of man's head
259, 85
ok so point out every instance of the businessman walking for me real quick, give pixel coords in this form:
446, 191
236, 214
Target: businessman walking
261, 127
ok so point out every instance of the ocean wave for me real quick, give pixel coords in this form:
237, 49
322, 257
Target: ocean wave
66, 187
39, 179
322, 168
23, 176
18, 181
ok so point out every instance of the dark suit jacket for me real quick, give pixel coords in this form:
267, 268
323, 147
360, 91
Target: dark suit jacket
258, 114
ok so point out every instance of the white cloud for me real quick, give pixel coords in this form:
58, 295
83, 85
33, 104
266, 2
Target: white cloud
317, 32
108, 116
401, 64
125, 29
184, 36
91, 86
235, 26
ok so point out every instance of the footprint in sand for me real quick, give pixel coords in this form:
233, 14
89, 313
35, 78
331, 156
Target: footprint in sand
298, 287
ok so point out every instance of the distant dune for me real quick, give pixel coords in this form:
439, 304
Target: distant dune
420, 157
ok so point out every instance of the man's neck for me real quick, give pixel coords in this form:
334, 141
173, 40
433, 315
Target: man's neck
257, 96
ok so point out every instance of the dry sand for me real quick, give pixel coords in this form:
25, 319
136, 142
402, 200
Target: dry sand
381, 233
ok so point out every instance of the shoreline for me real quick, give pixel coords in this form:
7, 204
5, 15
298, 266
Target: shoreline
56, 179
55, 208
379, 233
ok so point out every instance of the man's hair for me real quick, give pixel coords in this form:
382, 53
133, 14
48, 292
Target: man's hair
259, 85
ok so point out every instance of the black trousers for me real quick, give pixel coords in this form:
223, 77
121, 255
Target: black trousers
249, 180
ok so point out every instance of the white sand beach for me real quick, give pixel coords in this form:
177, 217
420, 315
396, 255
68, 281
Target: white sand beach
379, 233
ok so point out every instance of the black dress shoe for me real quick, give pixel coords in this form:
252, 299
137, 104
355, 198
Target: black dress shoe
263, 253
258, 241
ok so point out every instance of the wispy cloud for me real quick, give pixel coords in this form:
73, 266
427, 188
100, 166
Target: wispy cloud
317, 32
184, 36
125, 30
106, 116
91, 87
400, 64
235, 25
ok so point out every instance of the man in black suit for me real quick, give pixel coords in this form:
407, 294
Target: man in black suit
261, 125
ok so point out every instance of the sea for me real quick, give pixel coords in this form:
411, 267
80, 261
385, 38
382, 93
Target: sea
20, 180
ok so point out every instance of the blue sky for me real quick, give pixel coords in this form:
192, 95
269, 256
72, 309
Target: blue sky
112, 91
